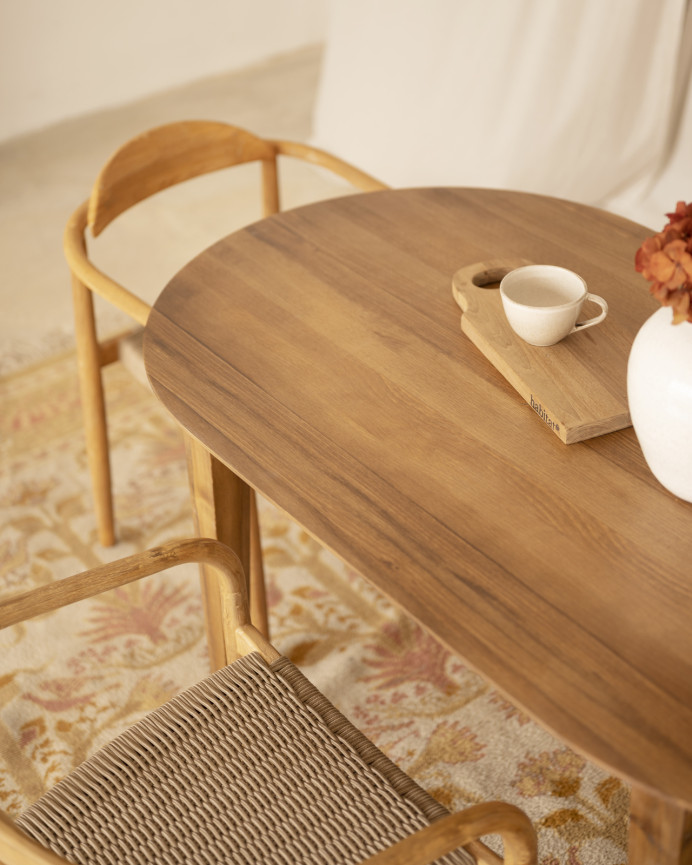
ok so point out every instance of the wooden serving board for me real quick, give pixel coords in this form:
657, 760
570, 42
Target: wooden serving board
578, 387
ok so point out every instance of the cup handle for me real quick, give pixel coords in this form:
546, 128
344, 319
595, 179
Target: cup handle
582, 325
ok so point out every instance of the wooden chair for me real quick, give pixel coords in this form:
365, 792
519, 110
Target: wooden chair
250, 765
145, 165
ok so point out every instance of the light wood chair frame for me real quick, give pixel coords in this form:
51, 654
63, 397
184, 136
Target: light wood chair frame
464, 828
147, 164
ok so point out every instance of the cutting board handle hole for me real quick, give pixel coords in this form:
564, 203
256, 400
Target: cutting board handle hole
490, 278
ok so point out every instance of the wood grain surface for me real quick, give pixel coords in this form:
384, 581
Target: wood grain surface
576, 387
317, 353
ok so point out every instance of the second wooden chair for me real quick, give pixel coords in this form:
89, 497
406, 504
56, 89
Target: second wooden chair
251, 765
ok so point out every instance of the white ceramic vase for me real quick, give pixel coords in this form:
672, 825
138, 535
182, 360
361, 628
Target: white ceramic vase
659, 391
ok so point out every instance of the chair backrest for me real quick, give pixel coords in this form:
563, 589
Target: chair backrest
171, 154
163, 157
167, 155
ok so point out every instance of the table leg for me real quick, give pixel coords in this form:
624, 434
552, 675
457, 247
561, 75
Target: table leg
224, 508
660, 831
259, 614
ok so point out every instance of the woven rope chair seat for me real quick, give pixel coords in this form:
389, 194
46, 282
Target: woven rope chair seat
251, 765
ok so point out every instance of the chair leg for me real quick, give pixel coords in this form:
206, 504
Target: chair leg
258, 592
94, 408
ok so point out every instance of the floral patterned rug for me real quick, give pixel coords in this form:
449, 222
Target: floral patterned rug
72, 680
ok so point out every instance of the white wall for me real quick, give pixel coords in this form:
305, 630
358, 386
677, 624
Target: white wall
62, 58
578, 99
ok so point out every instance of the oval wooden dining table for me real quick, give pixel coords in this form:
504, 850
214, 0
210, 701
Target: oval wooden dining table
317, 357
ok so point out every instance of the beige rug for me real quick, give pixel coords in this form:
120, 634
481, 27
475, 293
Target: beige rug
71, 680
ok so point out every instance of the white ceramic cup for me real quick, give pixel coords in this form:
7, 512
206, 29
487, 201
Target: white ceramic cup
542, 303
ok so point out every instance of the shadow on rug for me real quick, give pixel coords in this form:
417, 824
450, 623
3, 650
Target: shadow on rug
72, 680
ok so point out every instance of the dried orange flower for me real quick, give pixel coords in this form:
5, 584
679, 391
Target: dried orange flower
666, 261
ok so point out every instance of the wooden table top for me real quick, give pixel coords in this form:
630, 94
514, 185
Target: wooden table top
318, 354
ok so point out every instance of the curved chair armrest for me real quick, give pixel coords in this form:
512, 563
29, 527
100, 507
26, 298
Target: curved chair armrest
457, 830
74, 246
45, 599
354, 175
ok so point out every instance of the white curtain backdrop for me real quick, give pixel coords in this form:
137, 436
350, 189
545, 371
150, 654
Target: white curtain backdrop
582, 99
